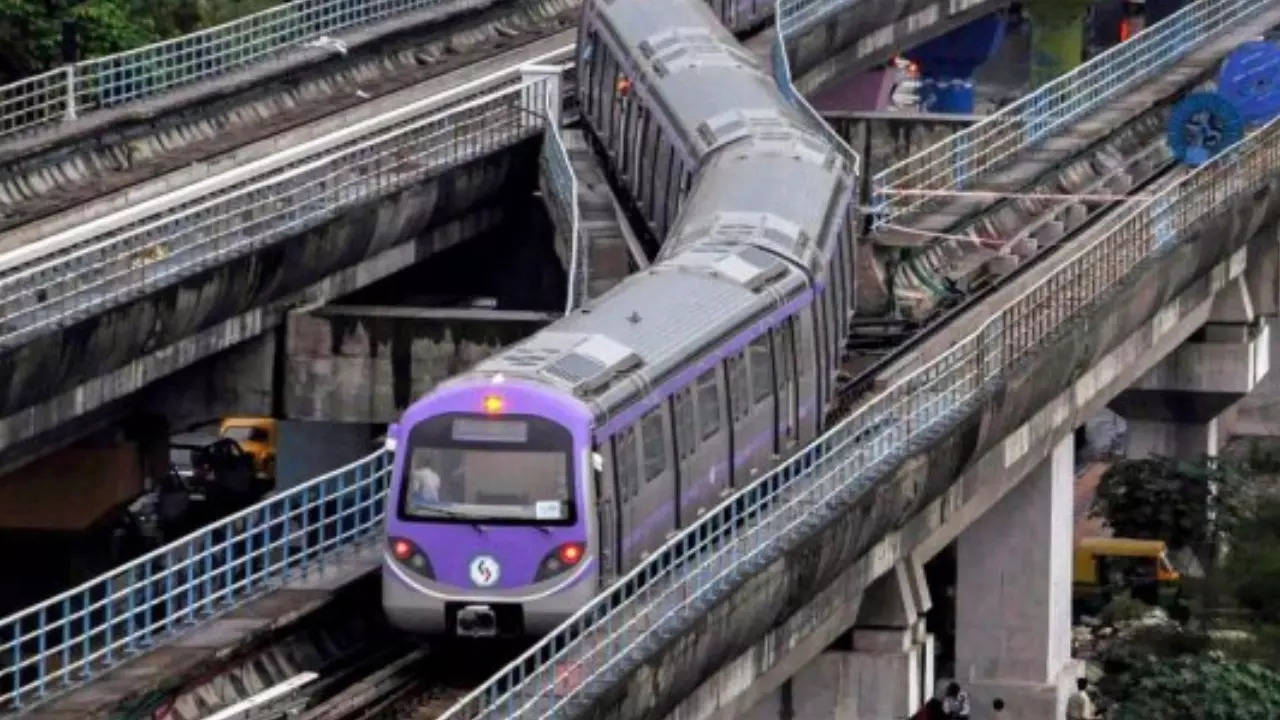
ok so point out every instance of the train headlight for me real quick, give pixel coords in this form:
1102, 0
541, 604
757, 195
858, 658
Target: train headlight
411, 557
559, 560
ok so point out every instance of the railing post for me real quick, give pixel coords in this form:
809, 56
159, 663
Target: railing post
70, 83
542, 80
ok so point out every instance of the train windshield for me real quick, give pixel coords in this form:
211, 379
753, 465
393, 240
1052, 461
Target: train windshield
474, 469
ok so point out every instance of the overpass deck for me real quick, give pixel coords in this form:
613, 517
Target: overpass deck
902, 405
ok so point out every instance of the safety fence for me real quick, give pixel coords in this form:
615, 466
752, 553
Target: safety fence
562, 187
101, 264
69, 639
84, 87
953, 163
782, 76
627, 623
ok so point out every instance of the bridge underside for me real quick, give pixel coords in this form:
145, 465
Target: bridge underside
871, 32
902, 513
91, 363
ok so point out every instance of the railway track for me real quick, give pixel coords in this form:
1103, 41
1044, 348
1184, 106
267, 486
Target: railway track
870, 364
102, 176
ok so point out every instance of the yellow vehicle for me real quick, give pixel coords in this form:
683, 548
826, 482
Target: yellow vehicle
1106, 566
257, 437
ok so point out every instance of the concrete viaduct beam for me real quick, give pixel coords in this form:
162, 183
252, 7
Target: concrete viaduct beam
78, 369
782, 617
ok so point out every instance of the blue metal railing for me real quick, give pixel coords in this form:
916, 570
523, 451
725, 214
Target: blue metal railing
953, 163
69, 639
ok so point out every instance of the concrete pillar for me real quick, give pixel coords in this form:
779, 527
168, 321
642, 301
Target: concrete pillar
1057, 37
1176, 409
947, 64
883, 668
1013, 596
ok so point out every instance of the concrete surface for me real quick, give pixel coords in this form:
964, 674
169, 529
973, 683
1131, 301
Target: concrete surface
65, 374
743, 646
193, 652
355, 365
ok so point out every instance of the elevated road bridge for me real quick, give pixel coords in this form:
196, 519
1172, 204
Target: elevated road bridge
710, 625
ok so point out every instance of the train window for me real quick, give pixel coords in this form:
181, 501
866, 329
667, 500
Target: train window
625, 457
684, 423
708, 404
654, 444
738, 386
761, 374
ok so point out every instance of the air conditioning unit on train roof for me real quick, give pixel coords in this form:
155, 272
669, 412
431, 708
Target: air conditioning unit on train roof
580, 362
750, 267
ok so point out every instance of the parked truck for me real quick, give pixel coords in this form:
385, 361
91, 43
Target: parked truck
288, 452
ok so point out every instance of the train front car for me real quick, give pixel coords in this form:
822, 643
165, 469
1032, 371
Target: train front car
488, 514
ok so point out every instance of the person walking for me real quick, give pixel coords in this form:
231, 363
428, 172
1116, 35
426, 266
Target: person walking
1079, 705
955, 703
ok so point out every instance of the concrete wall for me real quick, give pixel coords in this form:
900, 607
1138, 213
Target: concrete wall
1186, 277
361, 368
37, 376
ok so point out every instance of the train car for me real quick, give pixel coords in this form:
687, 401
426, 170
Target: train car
659, 91
524, 486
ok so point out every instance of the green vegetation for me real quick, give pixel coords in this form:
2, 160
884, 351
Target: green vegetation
1207, 685
1168, 499
1228, 664
31, 30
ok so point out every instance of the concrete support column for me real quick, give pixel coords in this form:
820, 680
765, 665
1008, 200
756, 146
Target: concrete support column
1013, 596
1057, 37
1176, 409
882, 668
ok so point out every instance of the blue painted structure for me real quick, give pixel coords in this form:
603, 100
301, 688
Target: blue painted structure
947, 63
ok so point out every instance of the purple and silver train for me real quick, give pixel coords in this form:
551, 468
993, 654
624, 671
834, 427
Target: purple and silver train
524, 486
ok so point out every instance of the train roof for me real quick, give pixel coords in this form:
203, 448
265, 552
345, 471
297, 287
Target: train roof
683, 59
651, 324
762, 191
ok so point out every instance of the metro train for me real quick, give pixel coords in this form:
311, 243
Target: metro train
524, 486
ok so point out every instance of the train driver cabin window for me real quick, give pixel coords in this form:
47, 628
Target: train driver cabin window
708, 404
654, 444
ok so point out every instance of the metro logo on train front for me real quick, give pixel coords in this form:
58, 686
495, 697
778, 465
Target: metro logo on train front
485, 570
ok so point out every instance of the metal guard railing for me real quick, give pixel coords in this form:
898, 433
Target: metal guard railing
782, 76
954, 162
90, 85
563, 187
70, 283
67, 640
626, 624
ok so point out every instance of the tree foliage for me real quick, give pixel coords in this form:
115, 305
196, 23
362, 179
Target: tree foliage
1169, 499
1204, 686
1254, 563
31, 30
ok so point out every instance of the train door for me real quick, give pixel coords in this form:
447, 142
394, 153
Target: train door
807, 364
607, 520
762, 421
650, 514
685, 433
739, 411
821, 348
709, 466
788, 400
